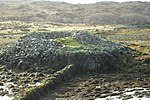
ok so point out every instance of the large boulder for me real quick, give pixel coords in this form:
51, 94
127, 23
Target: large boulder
59, 49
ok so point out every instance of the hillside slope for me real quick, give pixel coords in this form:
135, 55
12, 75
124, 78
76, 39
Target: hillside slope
61, 12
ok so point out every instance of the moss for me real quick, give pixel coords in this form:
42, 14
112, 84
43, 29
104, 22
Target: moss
92, 46
69, 41
73, 43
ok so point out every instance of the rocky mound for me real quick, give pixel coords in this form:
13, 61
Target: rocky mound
55, 50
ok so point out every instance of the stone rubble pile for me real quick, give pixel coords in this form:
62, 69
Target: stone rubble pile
36, 49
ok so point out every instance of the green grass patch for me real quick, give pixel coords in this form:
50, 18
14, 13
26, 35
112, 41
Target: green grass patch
69, 41
75, 45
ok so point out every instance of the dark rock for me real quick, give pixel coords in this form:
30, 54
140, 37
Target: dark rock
36, 80
1, 84
40, 75
14, 90
9, 73
147, 60
12, 80
1, 89
115, 94
140, 96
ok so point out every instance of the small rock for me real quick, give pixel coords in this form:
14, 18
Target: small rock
31, 75
78, 90
11, 86
14, 90
90, 99
12, 80
26, 81
1, 84
107, 85
95, 82
104, 95
97, 95
36, 80
9, 73
140, 96
40, 75
147, 60
1, 89
98, 88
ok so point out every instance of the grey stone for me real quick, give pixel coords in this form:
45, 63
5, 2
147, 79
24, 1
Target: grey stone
93, 53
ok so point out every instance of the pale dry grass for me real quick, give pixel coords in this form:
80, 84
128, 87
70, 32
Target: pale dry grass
8, 40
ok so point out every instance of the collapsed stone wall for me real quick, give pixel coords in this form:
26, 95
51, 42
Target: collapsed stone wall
42, 49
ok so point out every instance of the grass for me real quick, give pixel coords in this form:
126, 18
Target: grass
5, 40
15, 27
69, 41
73, 43
133, 30
137, 39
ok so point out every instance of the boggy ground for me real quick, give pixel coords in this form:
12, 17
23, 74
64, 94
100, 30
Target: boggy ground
14, 82
81, 87
92, 86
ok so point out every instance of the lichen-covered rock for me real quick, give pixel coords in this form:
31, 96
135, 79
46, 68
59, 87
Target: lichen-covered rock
58, 49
